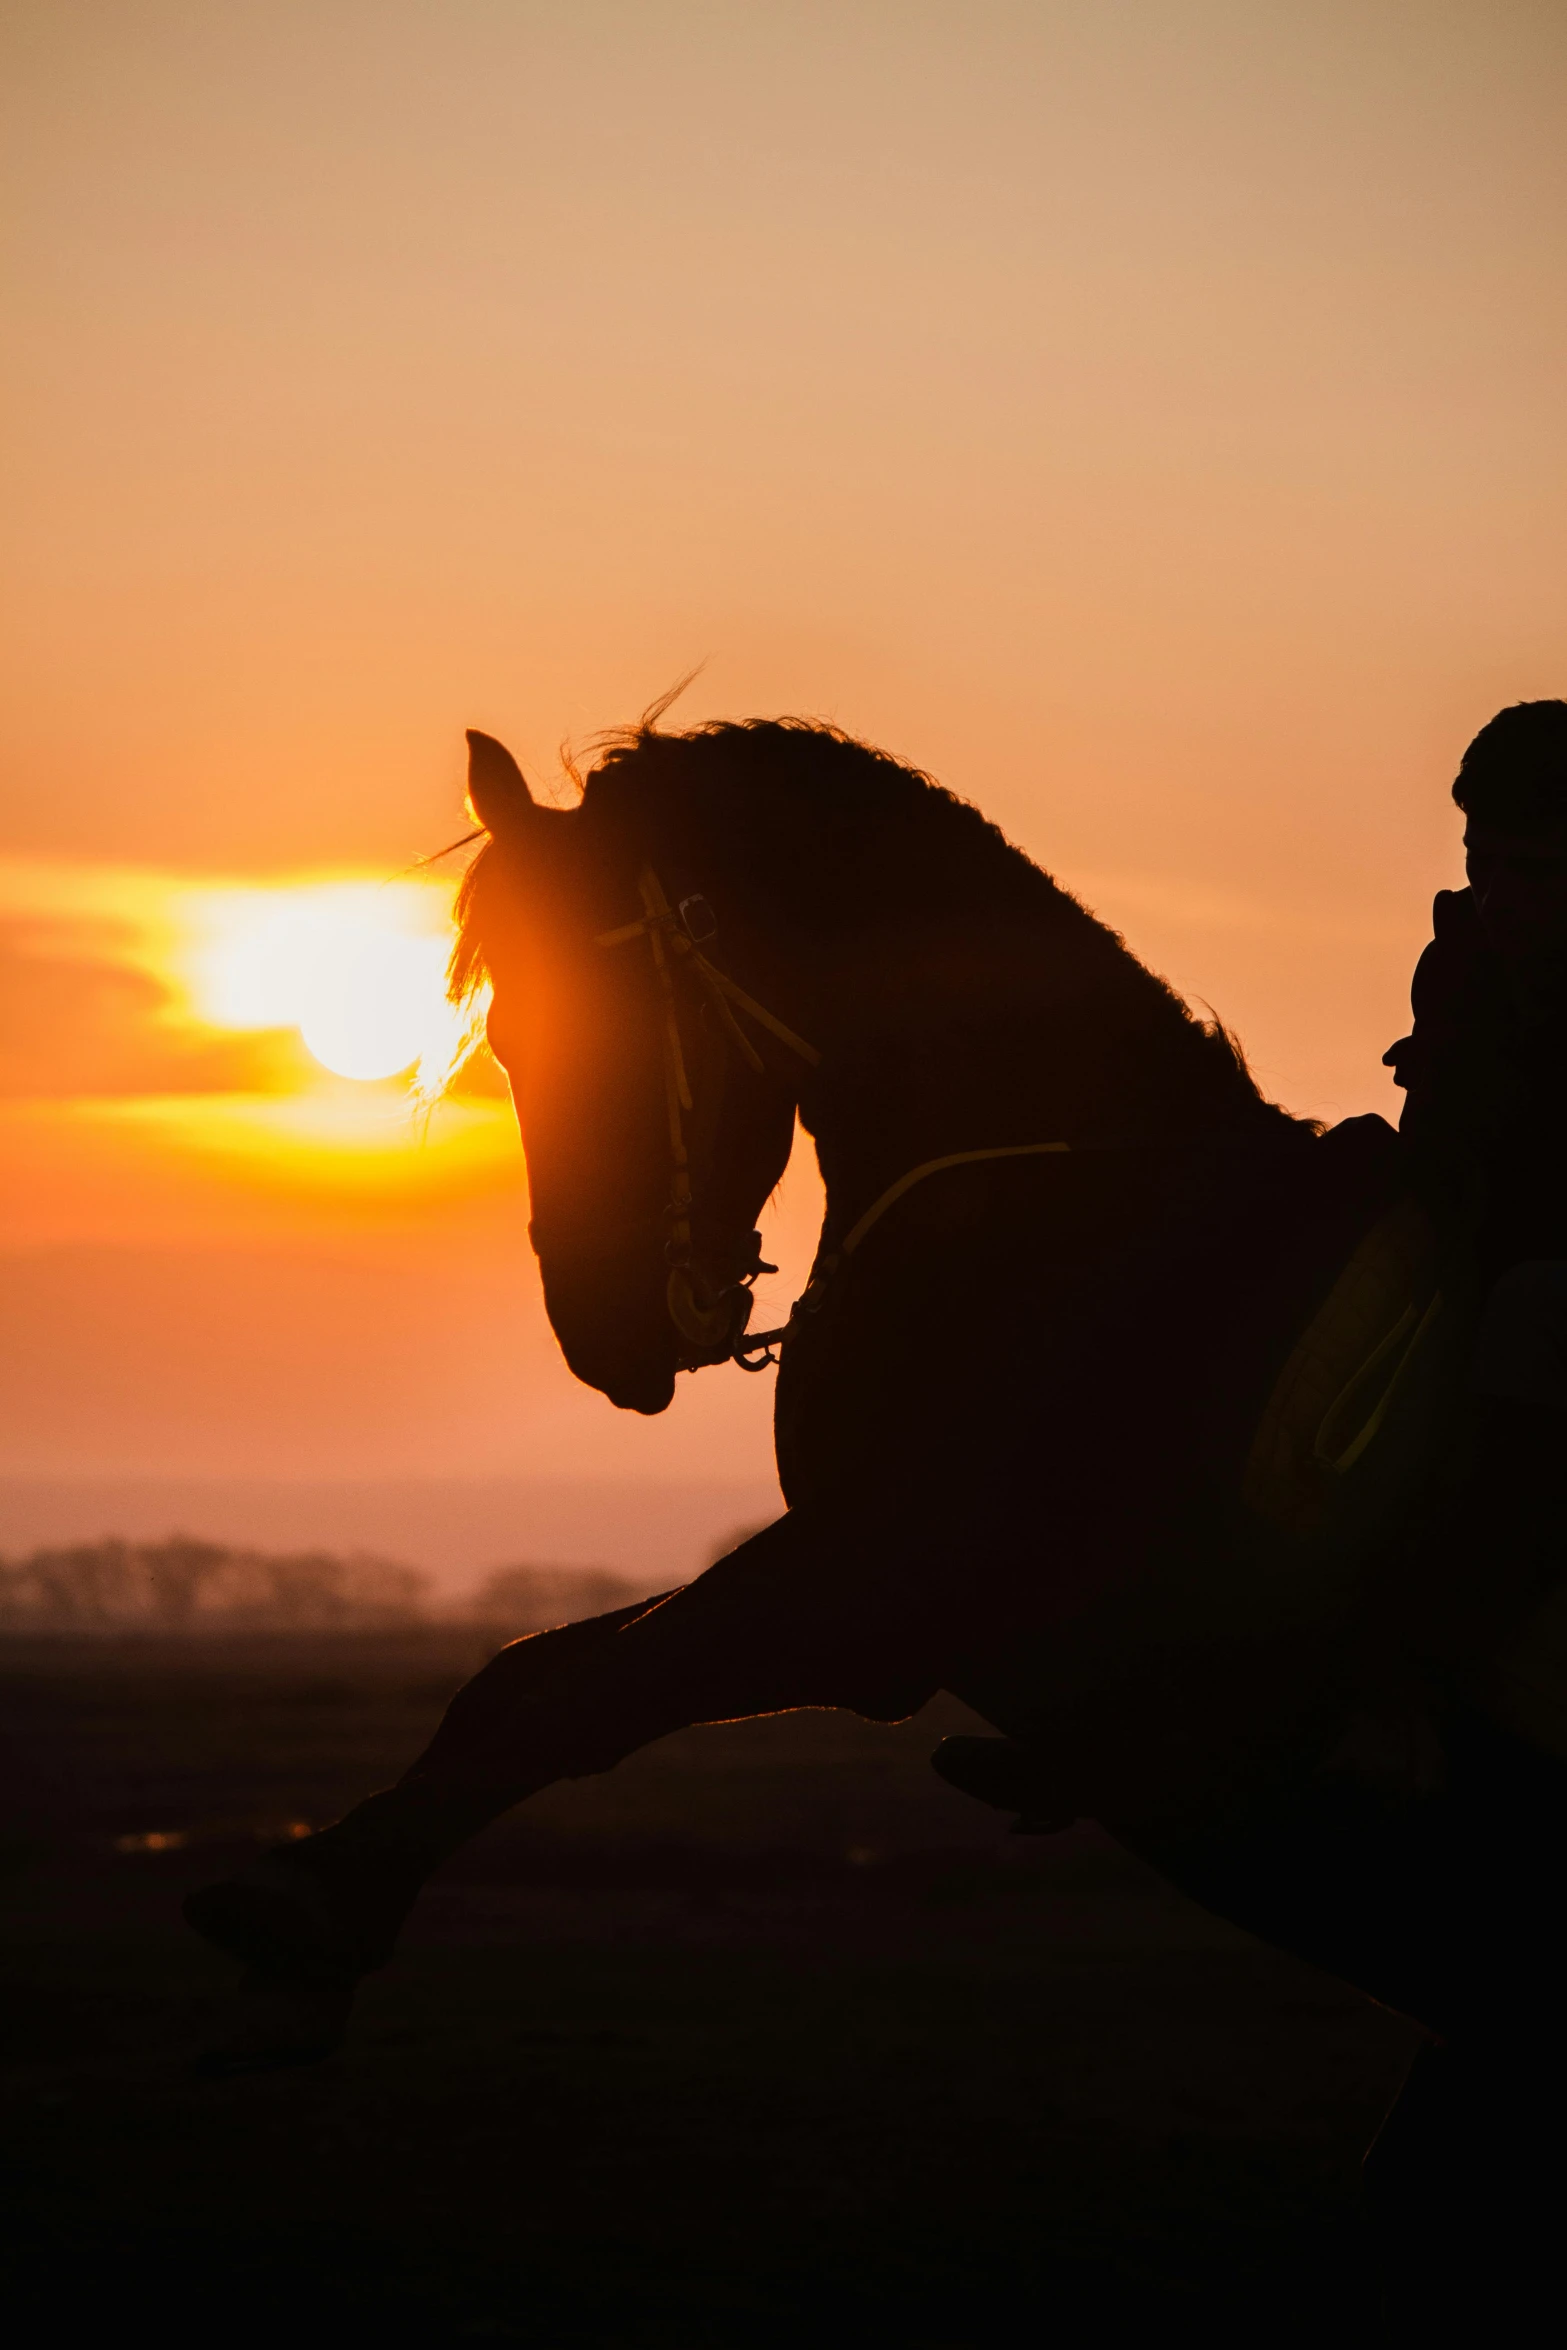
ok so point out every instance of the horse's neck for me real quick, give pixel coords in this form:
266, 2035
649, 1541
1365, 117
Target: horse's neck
963, 1012
1043, 1048
963, 1078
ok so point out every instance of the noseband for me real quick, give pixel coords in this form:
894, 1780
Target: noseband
709, 1325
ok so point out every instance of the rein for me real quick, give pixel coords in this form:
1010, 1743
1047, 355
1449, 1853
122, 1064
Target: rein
676, 936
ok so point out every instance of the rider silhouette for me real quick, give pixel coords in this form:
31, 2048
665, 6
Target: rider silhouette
1485, 1125
1485, 1120
1465, 2176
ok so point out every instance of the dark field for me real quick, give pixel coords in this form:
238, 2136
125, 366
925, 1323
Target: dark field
767, 2037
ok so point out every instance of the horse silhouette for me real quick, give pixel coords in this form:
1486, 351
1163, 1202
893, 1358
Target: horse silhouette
1115, 1405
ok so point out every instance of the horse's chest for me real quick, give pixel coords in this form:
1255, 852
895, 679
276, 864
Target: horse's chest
937, 1367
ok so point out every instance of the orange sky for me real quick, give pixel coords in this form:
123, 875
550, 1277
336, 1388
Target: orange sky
1149, 418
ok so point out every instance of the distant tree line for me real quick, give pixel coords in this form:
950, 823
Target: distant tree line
184, 1585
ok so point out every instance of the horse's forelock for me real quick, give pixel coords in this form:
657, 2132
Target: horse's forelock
469, 966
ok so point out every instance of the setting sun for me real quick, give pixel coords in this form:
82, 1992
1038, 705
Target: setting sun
357, 967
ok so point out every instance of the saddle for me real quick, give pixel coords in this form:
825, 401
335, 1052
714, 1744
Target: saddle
1356, 1420
1346, 1459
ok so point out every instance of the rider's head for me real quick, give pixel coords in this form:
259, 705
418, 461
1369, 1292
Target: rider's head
1512, 787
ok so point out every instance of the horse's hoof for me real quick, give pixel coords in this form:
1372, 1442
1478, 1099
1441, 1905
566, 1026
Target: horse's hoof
265, 1926
283, 2020
323, 1906
279, 1920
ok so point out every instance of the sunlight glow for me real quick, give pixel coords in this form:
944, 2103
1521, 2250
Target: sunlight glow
358, 967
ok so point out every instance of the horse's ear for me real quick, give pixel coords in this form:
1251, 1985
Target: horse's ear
497, 789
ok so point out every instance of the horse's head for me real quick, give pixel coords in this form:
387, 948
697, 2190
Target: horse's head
656, 1113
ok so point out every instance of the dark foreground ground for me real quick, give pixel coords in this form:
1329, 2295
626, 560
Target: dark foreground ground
767, 2038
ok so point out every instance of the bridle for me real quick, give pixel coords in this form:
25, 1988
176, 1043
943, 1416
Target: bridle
713, 1324
710, 1324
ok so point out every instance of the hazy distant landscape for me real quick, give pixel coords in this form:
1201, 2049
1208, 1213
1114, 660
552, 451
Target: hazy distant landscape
454, 1531
184, 1586
766, 2033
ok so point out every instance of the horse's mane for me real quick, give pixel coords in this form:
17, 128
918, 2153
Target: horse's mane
641, 777
835, 775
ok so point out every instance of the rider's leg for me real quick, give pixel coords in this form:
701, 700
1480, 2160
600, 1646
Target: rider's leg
1506, 1536
1521, 1346
1464, 2183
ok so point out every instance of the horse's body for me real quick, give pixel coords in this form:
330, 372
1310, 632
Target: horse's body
1013, 1428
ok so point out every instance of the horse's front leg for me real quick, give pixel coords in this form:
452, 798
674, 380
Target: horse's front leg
308, 1919
802, 1615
